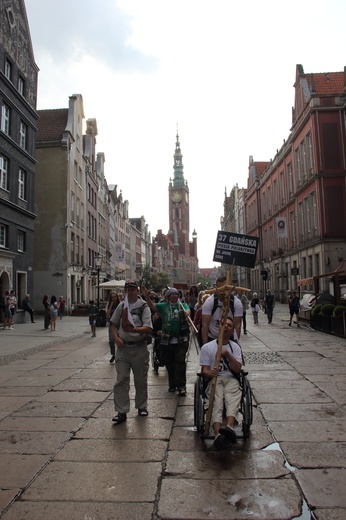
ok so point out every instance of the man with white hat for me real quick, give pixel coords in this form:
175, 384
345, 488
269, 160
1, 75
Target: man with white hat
174, 337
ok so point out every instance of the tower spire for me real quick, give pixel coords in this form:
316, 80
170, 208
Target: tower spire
178, 178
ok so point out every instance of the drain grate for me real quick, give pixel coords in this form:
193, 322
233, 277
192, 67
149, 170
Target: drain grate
262, 358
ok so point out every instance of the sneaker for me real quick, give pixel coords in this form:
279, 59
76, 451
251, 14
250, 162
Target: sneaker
245, 332
290, 324
121, 417
94, 335
172, 389
220, 442
298, 325
143, 412
112, 359
182, 391
229, 434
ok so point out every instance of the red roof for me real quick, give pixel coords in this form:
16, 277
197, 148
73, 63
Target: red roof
51, 124
326, 83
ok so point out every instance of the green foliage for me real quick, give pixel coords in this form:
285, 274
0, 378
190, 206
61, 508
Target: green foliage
338, 310
327, 309
154, 280
316, 309
203, 283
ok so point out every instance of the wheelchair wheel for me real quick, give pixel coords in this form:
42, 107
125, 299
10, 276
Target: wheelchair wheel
199, 406
246, 407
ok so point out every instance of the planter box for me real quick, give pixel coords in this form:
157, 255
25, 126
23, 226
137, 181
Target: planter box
338, 326
315, 321
326, 323
79, 312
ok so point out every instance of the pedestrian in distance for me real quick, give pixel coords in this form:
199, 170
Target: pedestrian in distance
13, 304
61, 307
255, 307
191, 300
227, 390
26, 305
131, 324
93, 313
294, 306
175, 333
53, 309
246, 304
45, 303
113, 302
7, 313
269, 302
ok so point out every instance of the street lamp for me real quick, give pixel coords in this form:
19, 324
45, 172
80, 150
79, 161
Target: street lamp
98, 261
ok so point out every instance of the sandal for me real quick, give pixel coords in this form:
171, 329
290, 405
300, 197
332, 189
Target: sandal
121, 417
143, 412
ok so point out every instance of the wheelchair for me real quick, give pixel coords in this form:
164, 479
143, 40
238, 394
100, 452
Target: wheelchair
245, 406
156, 356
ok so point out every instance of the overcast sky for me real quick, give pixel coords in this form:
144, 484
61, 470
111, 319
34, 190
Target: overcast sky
222, 70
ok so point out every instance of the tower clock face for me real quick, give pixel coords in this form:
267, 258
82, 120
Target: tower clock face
176, 196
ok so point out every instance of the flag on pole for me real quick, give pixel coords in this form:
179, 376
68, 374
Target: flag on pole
281, 227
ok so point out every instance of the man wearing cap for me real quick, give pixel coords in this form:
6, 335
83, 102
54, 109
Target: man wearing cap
174, 336
131, 322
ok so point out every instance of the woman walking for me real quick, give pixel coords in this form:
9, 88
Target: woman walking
53, 312
255, 307
45, 303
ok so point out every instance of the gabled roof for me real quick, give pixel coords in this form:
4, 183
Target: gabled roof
51, 124
326, 83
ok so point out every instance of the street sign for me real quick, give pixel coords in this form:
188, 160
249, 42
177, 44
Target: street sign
294, 271
237, 249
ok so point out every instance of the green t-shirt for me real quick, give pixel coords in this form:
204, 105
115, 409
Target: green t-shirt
172, 317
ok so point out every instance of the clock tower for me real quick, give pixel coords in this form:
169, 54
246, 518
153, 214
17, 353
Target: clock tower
179, 210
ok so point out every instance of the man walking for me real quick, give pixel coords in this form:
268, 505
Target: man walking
269, 302
131, 323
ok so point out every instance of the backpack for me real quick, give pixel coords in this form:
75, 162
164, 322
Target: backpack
139, 312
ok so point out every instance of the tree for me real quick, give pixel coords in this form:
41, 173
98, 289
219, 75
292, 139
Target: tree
154, 280
203, 283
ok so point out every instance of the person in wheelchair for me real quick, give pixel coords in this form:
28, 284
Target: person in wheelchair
227, 391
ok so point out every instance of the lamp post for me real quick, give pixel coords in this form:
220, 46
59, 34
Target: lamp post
98, 261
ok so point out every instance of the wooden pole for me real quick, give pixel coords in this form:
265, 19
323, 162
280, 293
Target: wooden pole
225, 309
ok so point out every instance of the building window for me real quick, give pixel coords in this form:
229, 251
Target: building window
21, 85
5, 119
3, 173
21, 241
22, 135
8, 69
3, 235
21, 184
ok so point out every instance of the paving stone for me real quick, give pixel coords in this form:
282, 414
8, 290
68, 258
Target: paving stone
336, 391
41, 424
226, 465
13, 391
165, 408
188, 499
315, 454
47, 381
301, 412
185, 416
95, 373
24, 510
103, 385
281, 375
323, 487
30, 443
17, 470
288, 395
133, 428
92, 481
116, 450
74, 409
309, 431
8, 404
6, 497
330, 514
83, 396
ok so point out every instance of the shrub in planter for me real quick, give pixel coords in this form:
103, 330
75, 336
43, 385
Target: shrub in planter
316, 309
327, 309
338, 310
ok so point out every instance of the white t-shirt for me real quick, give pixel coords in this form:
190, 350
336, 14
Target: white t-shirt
215, 321
208, 354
